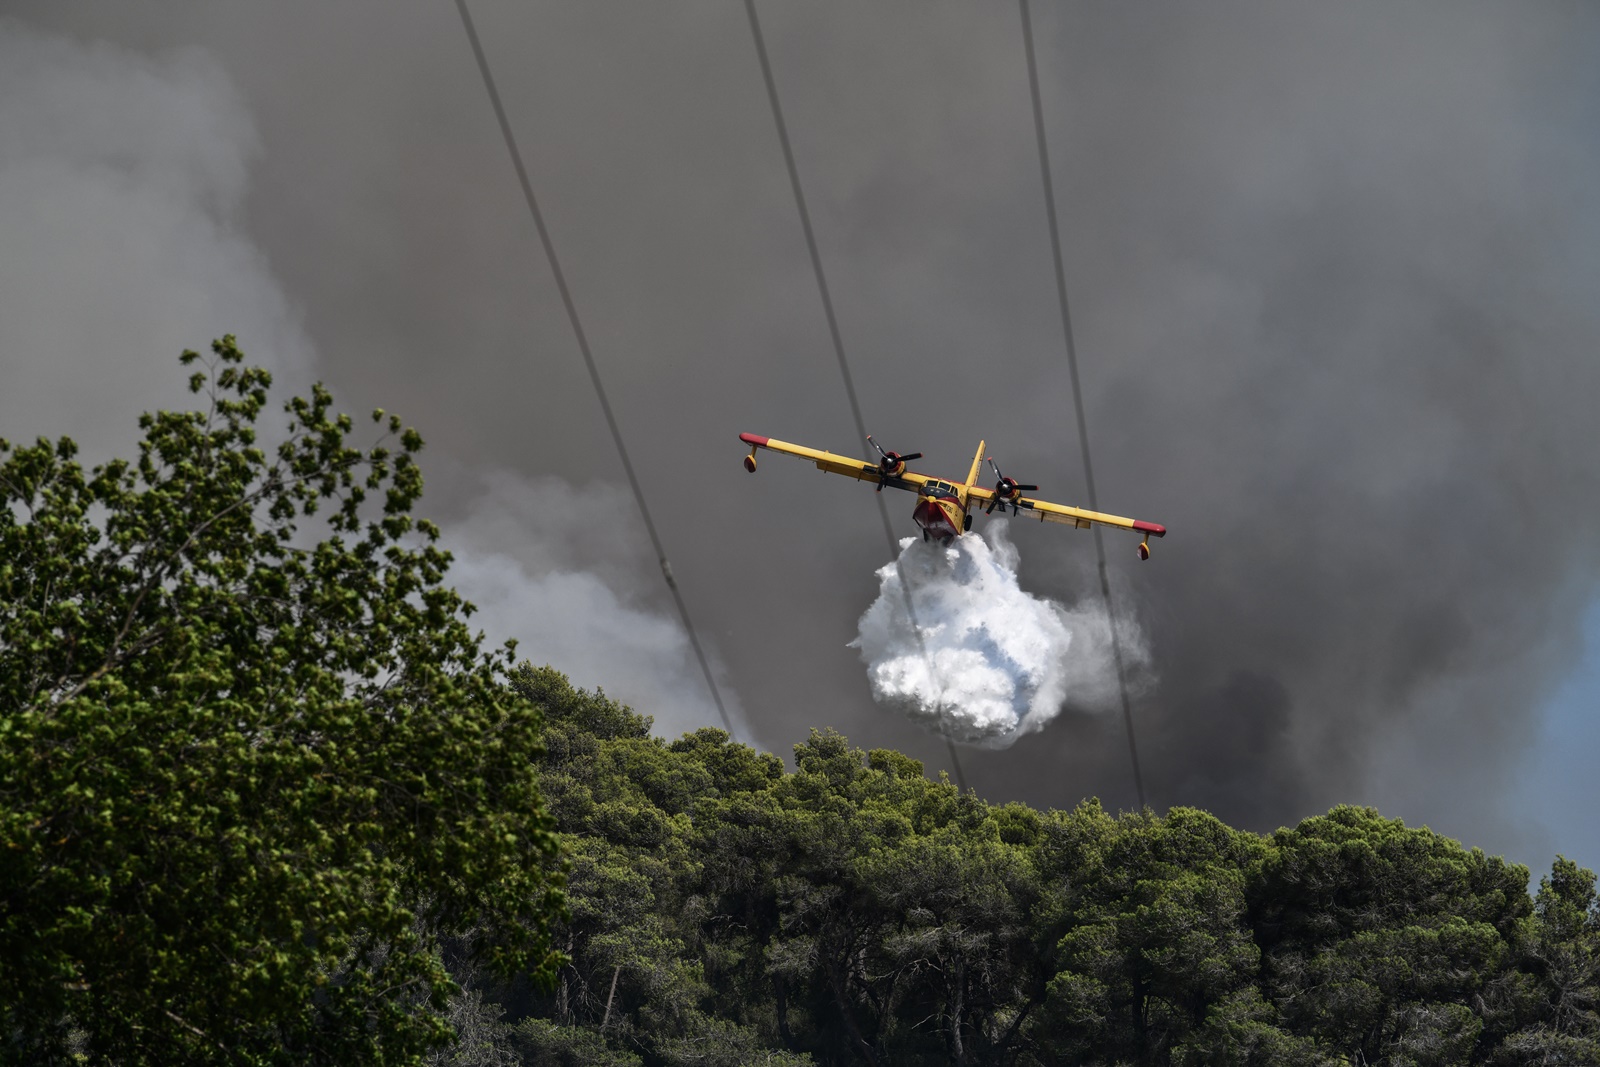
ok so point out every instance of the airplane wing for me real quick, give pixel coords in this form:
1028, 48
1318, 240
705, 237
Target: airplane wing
1044, 511
859, 469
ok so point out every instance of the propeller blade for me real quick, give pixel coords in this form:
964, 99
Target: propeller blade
994, 467
909, 456
1027, 488
876, 445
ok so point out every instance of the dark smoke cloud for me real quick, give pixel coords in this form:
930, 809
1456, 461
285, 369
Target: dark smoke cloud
1332, 269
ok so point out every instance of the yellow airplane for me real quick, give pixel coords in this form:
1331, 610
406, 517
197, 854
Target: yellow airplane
943, 508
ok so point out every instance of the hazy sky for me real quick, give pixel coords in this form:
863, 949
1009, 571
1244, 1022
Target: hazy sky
1333, 269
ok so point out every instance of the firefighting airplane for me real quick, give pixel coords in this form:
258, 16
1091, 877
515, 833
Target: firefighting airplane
943, 507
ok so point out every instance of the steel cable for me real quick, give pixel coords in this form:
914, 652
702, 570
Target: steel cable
844, 363
1077, 392
588, 358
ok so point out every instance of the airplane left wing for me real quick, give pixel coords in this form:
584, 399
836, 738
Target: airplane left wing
833, 464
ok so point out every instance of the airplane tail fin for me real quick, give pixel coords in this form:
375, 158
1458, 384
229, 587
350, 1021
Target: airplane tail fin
977, 464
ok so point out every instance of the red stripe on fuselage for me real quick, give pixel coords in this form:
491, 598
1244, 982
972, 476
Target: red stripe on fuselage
934, 518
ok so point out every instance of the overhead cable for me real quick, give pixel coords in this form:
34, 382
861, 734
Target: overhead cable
588, 358
1077, 392
839, 353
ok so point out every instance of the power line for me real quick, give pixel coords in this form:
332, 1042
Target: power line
1077, 392
588, 357
838, 351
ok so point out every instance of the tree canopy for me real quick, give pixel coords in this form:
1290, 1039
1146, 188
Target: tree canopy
855, 911
253, 763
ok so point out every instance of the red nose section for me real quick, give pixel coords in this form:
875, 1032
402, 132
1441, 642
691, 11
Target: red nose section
1154, 529
933, 518
752, 439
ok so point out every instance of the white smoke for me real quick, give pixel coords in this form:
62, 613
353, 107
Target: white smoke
993, 662
554, 565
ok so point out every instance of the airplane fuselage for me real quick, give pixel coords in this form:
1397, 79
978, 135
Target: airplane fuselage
941, 510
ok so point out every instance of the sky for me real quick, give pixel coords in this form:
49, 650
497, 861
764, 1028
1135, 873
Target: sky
1332, 271
1558, 773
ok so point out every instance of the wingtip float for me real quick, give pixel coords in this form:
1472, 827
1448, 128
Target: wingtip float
944, 508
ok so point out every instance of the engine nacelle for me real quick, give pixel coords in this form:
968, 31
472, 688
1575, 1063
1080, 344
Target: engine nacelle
892, 465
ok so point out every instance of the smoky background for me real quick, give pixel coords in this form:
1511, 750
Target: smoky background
1332, 271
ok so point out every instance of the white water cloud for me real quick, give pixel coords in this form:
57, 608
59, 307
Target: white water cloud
993, 662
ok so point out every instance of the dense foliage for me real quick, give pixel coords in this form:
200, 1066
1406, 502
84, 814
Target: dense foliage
724, 911
248, 779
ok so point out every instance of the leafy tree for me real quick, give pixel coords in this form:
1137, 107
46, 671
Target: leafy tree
248, 776
892, 917
1382, 940
636, 981
1561, 962
1156, 944
853, 911
481, 1038
543, 1043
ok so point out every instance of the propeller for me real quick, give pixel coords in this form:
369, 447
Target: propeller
1005, 488
891, 464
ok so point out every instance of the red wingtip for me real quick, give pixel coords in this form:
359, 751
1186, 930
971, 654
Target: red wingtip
1155, 529
752, 439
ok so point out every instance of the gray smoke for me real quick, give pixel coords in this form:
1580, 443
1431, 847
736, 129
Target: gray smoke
121, 183
1332, 271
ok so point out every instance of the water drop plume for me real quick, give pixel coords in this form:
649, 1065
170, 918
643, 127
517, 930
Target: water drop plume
994, 662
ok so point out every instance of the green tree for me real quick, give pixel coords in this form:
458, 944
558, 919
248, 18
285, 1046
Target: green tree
1157, 952
1561, 960
249, 776
1382, 941
648, 972
855, 912
888, 912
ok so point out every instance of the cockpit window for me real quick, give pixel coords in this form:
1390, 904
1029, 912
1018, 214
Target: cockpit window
938, 489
